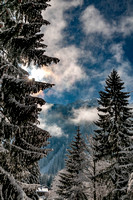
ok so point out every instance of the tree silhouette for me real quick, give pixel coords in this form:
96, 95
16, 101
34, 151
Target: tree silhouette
21, 140
114, 135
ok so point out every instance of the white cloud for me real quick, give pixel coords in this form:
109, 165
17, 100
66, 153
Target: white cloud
54, 34
94, 22
82, 115
123, 65
126, 25
117, 51
65, 74
124, 72
46, 108
117, 61
52, 128
68, 71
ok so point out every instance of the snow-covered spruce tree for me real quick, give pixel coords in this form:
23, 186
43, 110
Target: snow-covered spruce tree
91, 170
71, 185
56, 181
21, 140
96, 188
114, 137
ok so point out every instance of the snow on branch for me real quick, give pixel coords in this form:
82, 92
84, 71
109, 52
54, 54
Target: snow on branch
22, 153
10, 187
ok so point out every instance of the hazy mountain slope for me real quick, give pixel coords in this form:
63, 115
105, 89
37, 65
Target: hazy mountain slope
62, 116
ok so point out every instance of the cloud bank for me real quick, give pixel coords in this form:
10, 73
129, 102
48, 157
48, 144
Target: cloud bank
83, 115
100, 34
68, 72
97, 49
94, 22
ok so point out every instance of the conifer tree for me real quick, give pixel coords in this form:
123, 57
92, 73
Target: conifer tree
71, 181
114, 136
96, 189
21, 140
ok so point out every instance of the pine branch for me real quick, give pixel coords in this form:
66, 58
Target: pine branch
10, 187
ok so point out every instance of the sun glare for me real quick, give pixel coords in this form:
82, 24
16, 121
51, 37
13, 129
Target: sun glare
38, 74
30, 77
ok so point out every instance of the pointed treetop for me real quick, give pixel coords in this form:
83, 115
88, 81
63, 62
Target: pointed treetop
78, 129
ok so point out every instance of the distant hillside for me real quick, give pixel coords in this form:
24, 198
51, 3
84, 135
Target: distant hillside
61, 115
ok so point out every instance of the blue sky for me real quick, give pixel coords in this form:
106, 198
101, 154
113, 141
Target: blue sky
90, 37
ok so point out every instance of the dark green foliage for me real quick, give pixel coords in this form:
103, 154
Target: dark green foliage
21, 141
113, 139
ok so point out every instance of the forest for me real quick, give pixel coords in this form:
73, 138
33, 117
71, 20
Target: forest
98, 167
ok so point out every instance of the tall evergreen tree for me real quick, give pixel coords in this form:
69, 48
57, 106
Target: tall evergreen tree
96, 188
21, 140
71, 181
114, 136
